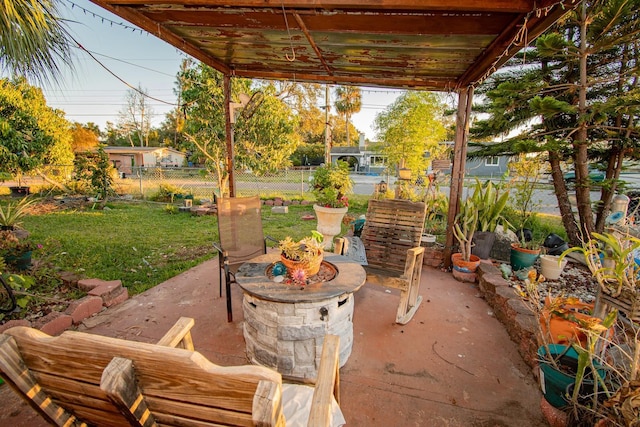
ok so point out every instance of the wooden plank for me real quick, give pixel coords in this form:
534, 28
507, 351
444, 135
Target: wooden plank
265, 413
179, 335
12, 365
320, 414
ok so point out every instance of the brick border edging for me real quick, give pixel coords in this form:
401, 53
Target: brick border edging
509, 309
101, 294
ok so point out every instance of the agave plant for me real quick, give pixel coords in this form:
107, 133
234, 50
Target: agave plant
490, 203
304, 250
11, 214
464, 227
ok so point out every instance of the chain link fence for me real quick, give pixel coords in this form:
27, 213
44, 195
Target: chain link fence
197, 182
292, 183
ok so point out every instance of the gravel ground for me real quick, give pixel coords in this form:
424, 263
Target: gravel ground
575, 281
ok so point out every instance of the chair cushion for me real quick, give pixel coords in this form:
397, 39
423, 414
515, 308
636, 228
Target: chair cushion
296, 406
354, 250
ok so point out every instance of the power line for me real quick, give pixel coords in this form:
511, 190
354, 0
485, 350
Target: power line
103, 19
129, 63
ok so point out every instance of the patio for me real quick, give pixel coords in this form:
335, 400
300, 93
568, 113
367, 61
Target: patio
452, 365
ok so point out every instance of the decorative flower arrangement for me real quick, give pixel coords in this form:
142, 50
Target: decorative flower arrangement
10, 245
330, 184
305, 255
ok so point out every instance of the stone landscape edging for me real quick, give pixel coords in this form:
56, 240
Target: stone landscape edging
101, 294
510, 310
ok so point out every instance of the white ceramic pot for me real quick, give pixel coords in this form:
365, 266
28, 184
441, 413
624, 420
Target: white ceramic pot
428, 239
329, 222
550, 267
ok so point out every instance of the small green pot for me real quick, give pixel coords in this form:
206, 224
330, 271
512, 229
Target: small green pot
554, 383
523, 258
21, 262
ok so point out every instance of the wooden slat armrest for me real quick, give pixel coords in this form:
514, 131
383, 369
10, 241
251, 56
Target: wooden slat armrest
412, 257
328, 383
179, 335
119, 383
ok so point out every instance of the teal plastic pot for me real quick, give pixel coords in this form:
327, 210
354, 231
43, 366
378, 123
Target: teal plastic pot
523, 258
553, 382
21, 262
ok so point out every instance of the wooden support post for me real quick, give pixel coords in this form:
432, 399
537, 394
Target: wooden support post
465, 100
229, 136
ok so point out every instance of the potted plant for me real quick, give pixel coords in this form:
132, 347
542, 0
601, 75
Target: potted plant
330, 185
11, 214
464, 227
611, 259
490, 202
566, 362
527, 171
437, 206
16, 251
302, 258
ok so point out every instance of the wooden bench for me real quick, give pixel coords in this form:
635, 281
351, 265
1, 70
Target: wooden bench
391, 238
79, 378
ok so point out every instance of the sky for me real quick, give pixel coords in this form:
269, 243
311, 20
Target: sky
97, 93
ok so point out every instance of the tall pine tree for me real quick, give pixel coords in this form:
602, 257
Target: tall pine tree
573, 96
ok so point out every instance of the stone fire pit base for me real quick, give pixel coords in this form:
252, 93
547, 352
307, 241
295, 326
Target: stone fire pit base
288, 337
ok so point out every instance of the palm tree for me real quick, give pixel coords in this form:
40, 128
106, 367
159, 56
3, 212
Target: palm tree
34, 41
349, 102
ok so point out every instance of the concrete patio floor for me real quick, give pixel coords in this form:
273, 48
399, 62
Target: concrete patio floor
452, 365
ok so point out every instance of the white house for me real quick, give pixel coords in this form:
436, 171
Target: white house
124, 159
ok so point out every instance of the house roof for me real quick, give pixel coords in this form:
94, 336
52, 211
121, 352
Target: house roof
425, 44
345, 150
135, 150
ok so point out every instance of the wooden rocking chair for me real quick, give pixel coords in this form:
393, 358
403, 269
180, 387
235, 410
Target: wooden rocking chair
391, 238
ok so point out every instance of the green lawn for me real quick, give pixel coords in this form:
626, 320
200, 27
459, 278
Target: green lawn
140, 243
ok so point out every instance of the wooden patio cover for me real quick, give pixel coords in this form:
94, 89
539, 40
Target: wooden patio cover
440, 45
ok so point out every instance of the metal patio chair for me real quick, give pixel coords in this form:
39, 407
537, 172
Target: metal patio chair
241, 238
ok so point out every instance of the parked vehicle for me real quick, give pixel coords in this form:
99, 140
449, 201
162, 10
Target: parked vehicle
595, 175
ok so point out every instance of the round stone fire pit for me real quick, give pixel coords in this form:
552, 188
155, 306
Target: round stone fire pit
285, 324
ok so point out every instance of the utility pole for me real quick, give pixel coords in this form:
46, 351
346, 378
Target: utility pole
327, 135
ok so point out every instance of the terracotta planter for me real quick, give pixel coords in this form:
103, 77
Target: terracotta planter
311, 267
465, 266
564, 329
329, 222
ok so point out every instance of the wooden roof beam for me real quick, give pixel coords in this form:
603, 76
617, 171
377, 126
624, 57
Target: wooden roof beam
443, 85
511, 6
508, 41
313, 44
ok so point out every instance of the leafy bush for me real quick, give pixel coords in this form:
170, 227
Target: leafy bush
166, 193
331, 183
